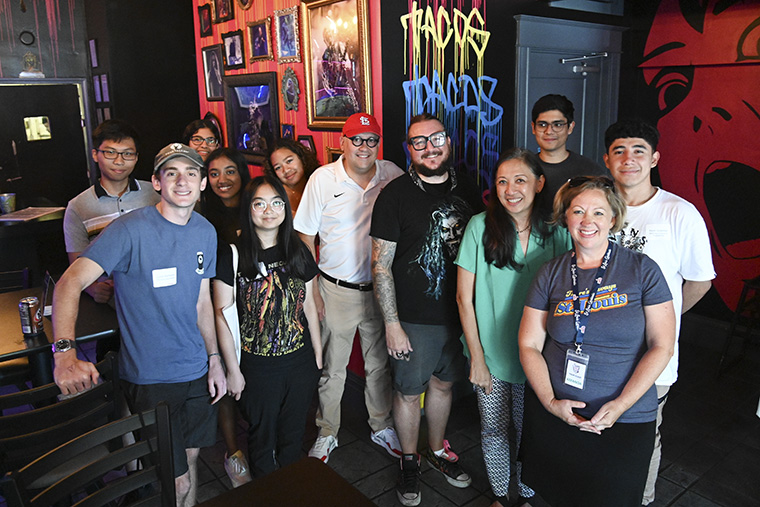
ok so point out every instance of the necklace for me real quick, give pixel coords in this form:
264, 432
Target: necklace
520, 232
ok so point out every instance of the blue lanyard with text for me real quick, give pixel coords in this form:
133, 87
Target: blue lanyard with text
581, 317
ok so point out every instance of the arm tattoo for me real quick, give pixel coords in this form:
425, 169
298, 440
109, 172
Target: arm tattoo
383, 253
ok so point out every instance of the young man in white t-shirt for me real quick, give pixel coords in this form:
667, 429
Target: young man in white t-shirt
665, 227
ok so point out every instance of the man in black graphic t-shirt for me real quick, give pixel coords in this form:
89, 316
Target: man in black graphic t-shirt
417, 224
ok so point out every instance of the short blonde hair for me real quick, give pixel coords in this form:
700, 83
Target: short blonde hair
576, 186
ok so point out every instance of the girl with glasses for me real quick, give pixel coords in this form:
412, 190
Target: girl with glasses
202, 136
500, 253
281, 347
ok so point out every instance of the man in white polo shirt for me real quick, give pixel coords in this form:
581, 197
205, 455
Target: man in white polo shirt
337, 205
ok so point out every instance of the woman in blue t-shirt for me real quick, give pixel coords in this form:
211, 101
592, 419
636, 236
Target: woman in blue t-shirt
281, 348
501, 251
598, 327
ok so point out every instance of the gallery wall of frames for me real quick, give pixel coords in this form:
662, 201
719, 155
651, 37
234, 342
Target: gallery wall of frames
287, 68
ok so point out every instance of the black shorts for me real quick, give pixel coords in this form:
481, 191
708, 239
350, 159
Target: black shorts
193, 417
436, 350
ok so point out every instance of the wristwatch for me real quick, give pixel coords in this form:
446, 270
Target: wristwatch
63, 345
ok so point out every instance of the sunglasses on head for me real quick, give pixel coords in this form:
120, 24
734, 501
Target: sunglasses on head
580, 180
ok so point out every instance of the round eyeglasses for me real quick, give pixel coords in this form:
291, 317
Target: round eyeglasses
197, 140
557, 126
128, 156
261, 206
371, 141
437, 139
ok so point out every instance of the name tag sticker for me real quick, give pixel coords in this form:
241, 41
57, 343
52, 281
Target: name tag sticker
655, 231
165, 277
576, 364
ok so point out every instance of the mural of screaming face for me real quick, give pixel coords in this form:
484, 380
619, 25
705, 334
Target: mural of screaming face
703, 59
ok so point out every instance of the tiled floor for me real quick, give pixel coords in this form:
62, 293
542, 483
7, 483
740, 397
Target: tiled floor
711, 439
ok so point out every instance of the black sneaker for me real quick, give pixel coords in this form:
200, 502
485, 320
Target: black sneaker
408, 485
448, 465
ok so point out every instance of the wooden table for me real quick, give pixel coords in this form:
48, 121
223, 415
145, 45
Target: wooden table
306, 482
95, 321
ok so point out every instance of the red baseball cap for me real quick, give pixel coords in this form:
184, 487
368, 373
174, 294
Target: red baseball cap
361, 123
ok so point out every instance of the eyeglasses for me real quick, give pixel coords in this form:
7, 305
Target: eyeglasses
601, 181
261, 206
357, 141
211, 141
419, 143
128, 156
557, 126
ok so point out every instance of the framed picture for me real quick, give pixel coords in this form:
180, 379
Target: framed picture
204, 20
288, 131
234, 55
337, 63
104, 87
93, 53
286, 27
260, 40
253, 113
308, 142
96, 87
333, 154
223, 10
212, 71
245, 4
290, 90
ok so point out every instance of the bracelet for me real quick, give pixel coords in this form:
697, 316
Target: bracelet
214, 354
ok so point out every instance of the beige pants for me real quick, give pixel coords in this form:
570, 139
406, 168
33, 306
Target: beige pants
347, 310
654, 464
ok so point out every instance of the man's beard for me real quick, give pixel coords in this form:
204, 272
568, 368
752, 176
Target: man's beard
444, 168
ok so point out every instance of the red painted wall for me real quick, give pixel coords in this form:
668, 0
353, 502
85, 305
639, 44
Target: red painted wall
260, 10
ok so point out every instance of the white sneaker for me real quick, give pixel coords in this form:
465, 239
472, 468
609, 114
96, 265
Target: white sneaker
322, 447
236, 467
388, 440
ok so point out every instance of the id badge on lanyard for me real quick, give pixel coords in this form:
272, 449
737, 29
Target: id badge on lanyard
576, 362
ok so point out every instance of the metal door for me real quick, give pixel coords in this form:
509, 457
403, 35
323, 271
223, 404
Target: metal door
49, 171
578, 60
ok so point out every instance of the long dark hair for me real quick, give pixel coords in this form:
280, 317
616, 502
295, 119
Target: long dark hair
500, 235
296, 253
210, 202
308, 158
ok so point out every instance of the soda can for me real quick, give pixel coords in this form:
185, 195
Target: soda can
30, 311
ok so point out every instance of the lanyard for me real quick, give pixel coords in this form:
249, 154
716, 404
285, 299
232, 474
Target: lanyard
581, 317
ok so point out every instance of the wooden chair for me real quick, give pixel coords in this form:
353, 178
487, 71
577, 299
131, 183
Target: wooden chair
14, 280
27, 435
747, 313
20, 488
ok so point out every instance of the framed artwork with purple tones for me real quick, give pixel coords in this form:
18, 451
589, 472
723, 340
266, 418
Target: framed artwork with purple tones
253, 113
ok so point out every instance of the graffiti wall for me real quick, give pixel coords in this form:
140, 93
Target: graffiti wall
701, 61
444, 55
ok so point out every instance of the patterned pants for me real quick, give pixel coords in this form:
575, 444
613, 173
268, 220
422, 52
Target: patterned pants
501, 419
